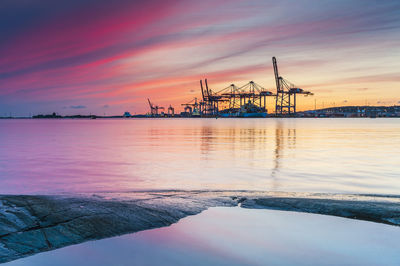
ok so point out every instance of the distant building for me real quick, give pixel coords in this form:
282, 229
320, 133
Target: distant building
354, 111
127, 114
53, 115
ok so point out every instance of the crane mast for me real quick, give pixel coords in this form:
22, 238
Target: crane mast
276, 73
285, 101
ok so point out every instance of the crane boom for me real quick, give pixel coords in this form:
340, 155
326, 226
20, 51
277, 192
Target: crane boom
202, 91
208, 92
278, 87
151, 105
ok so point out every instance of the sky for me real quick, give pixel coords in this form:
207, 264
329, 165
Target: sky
108, 57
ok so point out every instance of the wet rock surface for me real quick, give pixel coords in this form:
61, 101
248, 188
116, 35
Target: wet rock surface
381, 212
32, 224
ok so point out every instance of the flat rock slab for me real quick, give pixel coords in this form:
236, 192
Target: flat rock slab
380, 212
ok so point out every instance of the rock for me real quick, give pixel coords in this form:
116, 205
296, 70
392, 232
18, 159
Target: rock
32, 224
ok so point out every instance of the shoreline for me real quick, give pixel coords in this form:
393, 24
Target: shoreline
33, 224
183, 117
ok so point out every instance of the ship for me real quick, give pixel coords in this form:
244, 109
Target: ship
248, 110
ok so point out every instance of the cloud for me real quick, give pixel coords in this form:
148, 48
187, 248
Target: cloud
77, 106
95, 51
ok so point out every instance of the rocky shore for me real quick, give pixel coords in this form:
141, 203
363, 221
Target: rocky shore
31, 224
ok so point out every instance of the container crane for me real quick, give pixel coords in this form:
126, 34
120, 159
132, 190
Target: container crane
192, 107
154, 108
211, 100
285, 102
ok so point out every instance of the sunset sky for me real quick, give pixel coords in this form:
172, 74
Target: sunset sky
98, 56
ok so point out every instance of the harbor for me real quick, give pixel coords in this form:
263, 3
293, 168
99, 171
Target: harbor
250, 101
246, 101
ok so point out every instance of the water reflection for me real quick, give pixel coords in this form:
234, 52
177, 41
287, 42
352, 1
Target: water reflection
236, 236
277, 153
206, 140
280, 147
310, 155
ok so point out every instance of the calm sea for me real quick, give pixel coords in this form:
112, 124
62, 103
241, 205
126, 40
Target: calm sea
305, 155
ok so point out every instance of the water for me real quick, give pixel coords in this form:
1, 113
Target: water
236, 236
301, 155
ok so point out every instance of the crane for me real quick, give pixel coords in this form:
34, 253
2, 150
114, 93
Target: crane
285, 102
154, 108
192, 107
211, 100
171, 111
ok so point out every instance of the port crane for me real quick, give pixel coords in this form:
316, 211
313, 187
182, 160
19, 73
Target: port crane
234, 99
250, 93
285, 101
192, 107
154, 108
211, 100
171, 111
